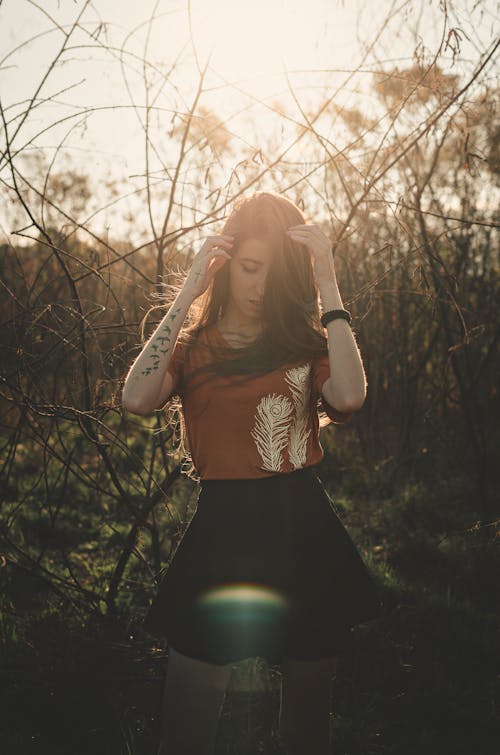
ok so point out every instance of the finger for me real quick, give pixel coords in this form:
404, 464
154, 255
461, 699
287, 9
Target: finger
221, 237
310, 231
304, 237
218, 253
213, 243
299, 236
216, 263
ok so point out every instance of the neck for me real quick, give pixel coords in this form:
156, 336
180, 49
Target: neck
236, 323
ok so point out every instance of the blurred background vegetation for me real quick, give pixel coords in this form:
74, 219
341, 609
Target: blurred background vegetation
94, 501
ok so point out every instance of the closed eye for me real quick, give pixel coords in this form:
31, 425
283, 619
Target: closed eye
249, 269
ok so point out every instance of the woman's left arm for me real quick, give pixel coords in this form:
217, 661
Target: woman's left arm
345, 389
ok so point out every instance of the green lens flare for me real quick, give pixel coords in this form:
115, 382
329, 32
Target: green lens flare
244, 603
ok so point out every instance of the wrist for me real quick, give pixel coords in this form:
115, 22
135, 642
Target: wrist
335, 314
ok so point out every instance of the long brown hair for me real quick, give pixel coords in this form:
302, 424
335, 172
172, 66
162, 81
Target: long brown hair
291, 324
291, 318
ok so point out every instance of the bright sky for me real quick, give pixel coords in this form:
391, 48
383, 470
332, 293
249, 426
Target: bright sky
250, 43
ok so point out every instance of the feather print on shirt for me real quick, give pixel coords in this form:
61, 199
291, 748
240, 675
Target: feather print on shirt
277, 426
298, 380
270, 430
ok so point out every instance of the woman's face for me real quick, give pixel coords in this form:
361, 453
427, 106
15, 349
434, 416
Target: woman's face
247, 278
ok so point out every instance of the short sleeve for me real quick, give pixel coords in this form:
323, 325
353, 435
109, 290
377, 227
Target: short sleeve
176, 365
319, 376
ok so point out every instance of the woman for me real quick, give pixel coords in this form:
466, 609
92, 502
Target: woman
265, 566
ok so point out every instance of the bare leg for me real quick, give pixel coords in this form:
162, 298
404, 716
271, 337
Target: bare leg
191, 706
305, 706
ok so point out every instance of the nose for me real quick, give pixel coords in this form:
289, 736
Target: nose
260, 288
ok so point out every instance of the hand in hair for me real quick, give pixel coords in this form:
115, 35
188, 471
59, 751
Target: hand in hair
211, 257
320, 245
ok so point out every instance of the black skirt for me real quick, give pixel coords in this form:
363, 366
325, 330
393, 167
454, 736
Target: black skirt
265, 568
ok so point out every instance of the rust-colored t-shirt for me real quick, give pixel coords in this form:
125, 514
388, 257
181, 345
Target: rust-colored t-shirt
267, 425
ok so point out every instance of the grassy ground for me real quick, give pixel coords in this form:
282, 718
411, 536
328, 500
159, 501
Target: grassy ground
418, 681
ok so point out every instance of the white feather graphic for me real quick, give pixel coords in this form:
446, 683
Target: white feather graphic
298, 380
270, 430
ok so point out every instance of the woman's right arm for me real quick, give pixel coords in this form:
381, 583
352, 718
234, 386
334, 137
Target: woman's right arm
149, 385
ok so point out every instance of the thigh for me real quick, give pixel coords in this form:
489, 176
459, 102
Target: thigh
183, 670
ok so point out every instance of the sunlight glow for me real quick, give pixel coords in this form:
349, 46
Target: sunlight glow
251, 39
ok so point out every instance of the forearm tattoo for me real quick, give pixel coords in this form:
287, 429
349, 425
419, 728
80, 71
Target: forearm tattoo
160, 344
